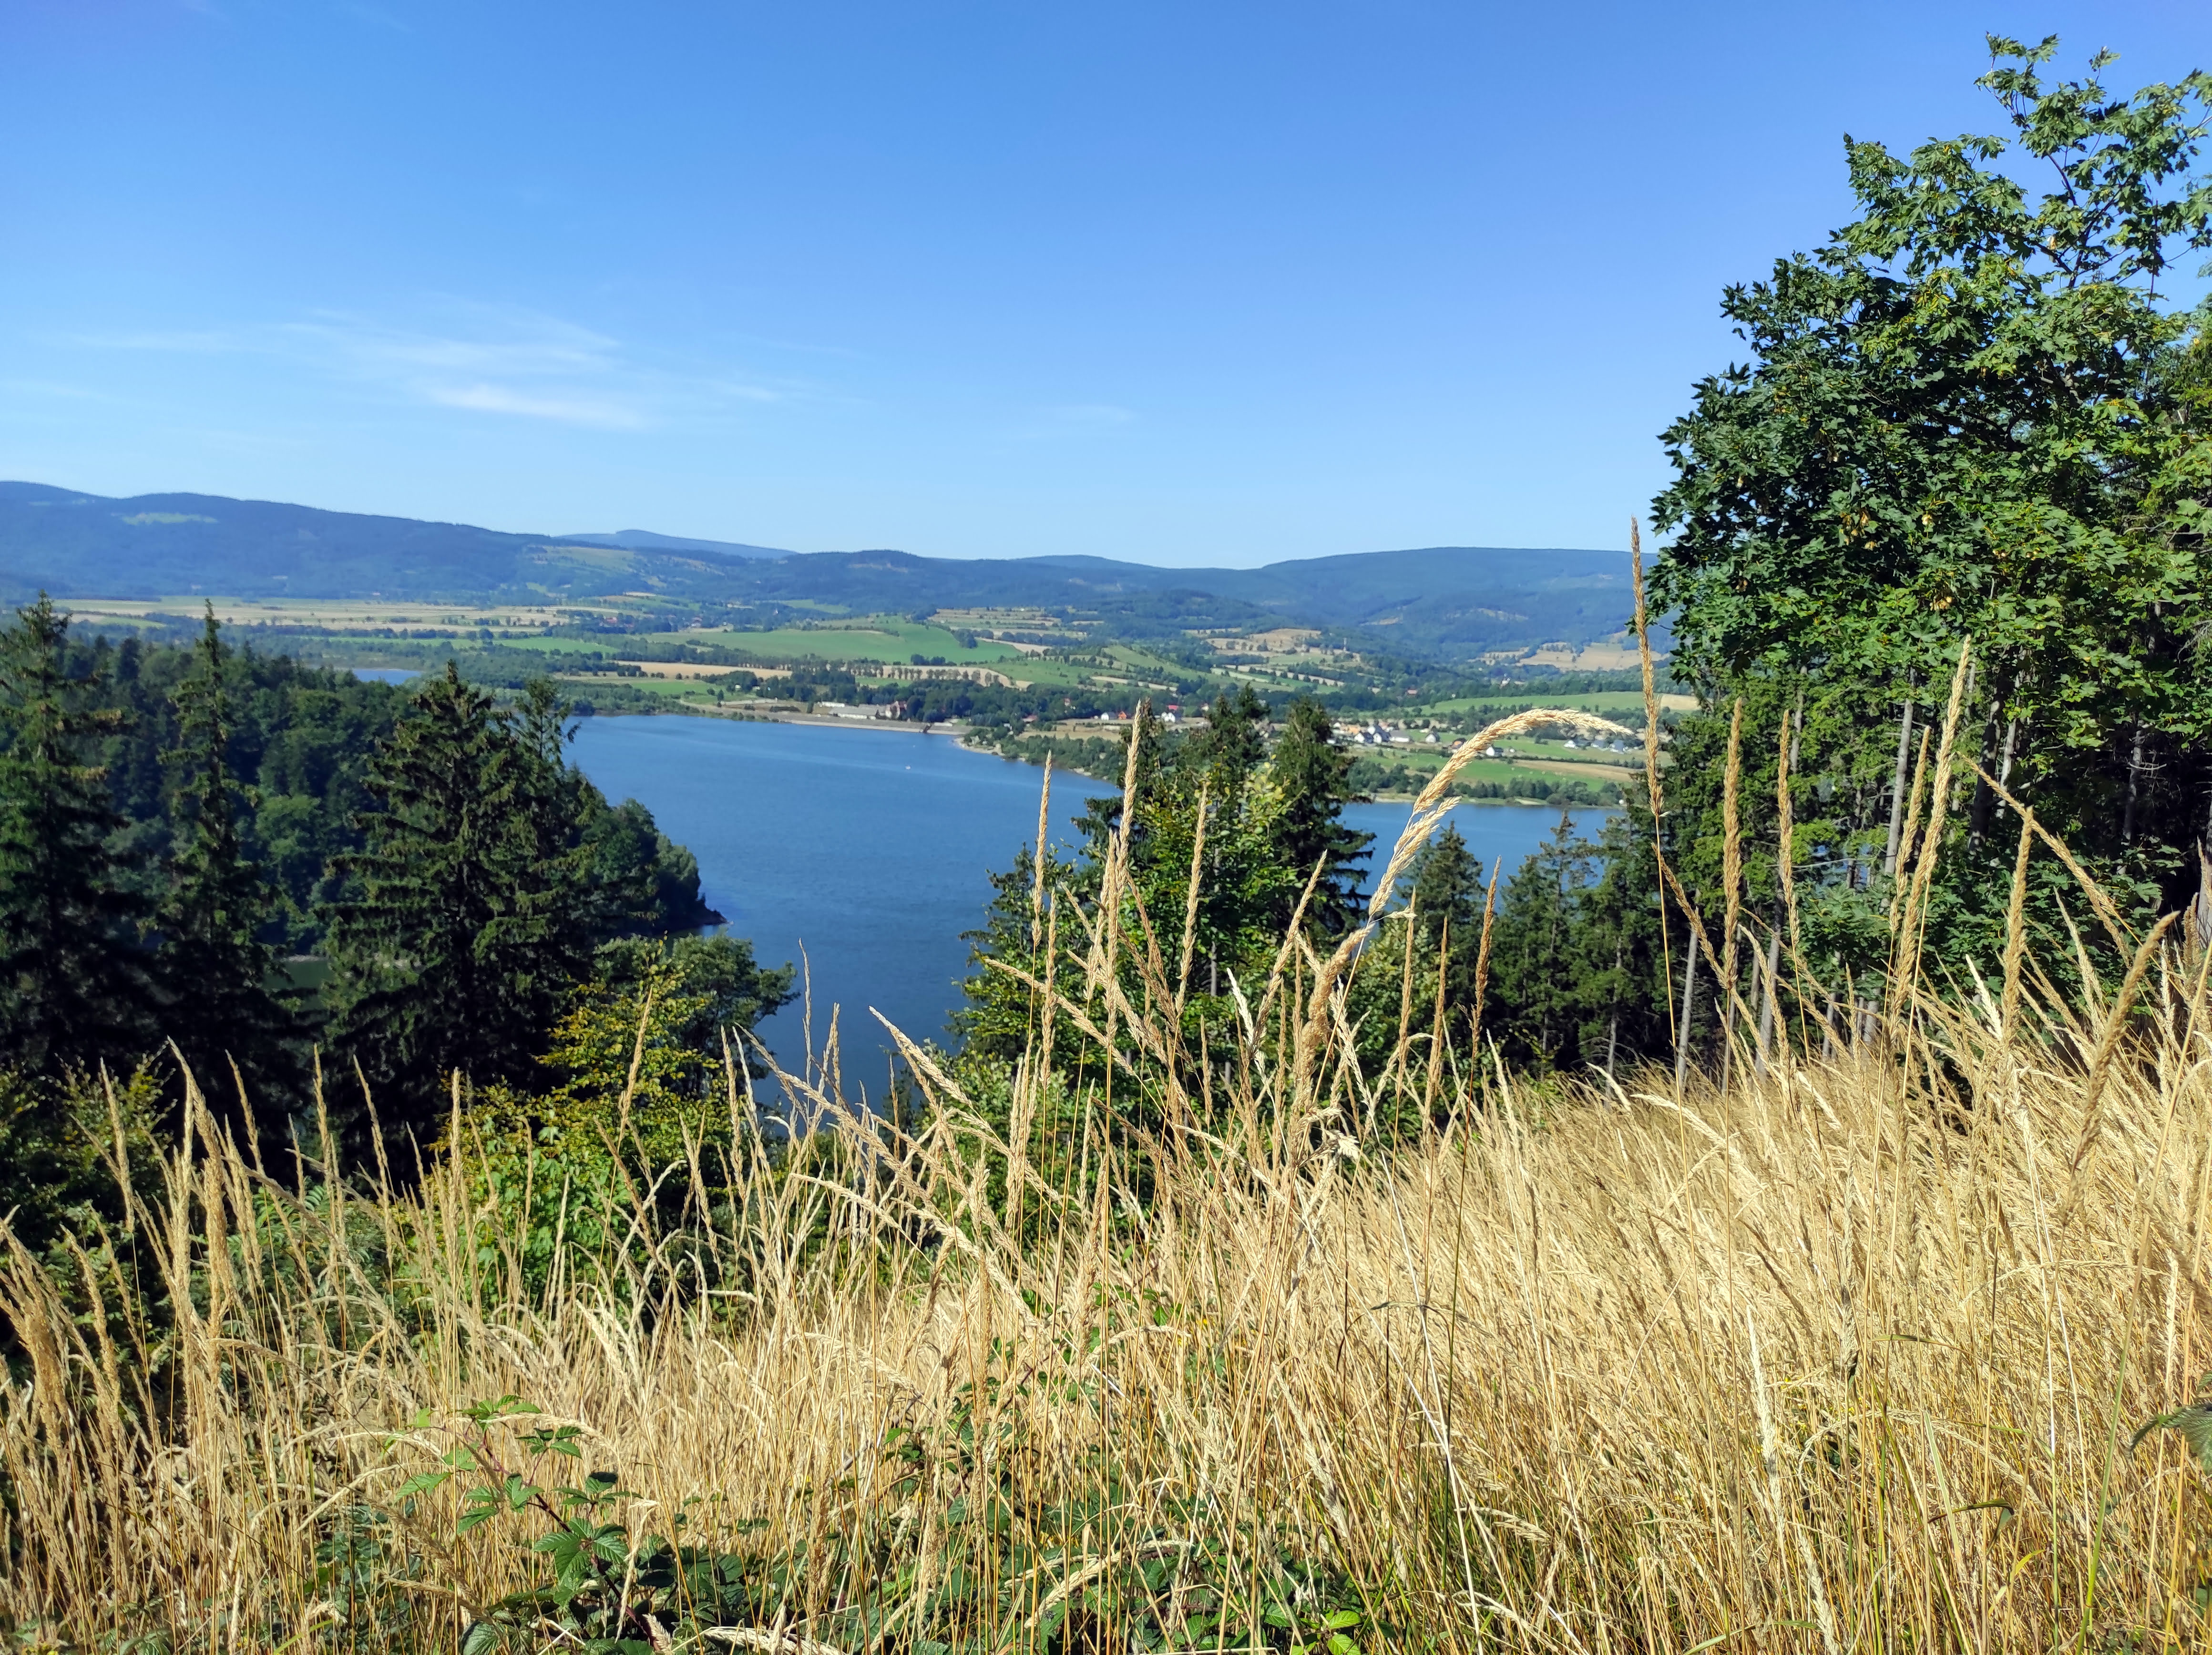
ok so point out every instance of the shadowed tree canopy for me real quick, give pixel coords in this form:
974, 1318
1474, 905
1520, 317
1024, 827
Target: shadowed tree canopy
75, 985
471, 912
215, 963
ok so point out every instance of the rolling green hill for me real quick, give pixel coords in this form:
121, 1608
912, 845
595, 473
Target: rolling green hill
1435, 602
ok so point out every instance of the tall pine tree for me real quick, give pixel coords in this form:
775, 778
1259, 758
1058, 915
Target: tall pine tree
1314, 775
74, 987
1539, 1003
216, 967
468, 920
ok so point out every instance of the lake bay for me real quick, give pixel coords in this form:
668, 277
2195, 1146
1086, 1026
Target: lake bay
871, 847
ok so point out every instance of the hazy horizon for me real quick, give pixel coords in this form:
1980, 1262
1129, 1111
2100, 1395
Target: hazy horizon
550, 535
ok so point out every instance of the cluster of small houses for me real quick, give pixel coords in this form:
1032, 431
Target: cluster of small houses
1378, 735
1374, 733
1368, 735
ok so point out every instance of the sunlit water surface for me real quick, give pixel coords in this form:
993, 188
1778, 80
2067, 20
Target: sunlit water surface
870, 849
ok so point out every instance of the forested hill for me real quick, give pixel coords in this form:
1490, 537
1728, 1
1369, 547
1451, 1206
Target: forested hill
79, 545
1444, 599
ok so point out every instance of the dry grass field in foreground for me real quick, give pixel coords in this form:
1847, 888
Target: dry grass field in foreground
1846, 1355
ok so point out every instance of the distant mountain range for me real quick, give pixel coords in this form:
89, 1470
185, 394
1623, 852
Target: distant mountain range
1440, 600
644, 539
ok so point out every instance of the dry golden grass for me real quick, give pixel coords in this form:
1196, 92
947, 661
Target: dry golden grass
1846, 1358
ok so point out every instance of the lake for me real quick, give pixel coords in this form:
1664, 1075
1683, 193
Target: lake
870, 848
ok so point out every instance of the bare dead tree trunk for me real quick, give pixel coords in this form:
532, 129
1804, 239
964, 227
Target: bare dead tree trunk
2134, 788
1767, 994
1897, 790
1612, 1029
1689, 1006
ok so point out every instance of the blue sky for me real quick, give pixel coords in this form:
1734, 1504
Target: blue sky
1182, 282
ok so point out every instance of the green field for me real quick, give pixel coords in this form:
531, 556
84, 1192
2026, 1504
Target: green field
1058, 675
1599, 701
608, 647
672, 689
881, 638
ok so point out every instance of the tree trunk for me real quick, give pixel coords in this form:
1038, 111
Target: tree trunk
1897, 790
2134, 789
1689, 1007
1767, 997
1978, 822
1612, 1029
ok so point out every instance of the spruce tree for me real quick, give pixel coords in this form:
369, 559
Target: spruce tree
215, 968
1539, 1004
1448, 890
1001, 1015
1621, 959
467, 921
1229, 750
1102, 817
74, 988
1314, 775
1447, 886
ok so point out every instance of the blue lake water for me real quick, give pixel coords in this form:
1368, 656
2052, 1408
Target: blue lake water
870, 848
386, 675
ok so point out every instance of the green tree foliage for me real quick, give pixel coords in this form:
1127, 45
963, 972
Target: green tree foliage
645, 884
216, 965
70, 1149
491, 872
1975, 413
1577, 970
638, 1074
1314, 775
1447, 889
1000, 1014
468, 918
298, 743
1540, 993
1253, 822
74, 987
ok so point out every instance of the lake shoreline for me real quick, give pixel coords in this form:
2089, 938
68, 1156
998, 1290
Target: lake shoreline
960, 732
864, 862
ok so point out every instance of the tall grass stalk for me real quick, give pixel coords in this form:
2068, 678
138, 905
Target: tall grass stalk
1843, 1361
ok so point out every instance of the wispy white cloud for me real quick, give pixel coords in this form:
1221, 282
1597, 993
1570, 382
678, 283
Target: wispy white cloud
501, 361
486, 398
454, 359
377, 16
747, 393
1092, 414
1062, 423
478, 337
178, 342
54, 388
